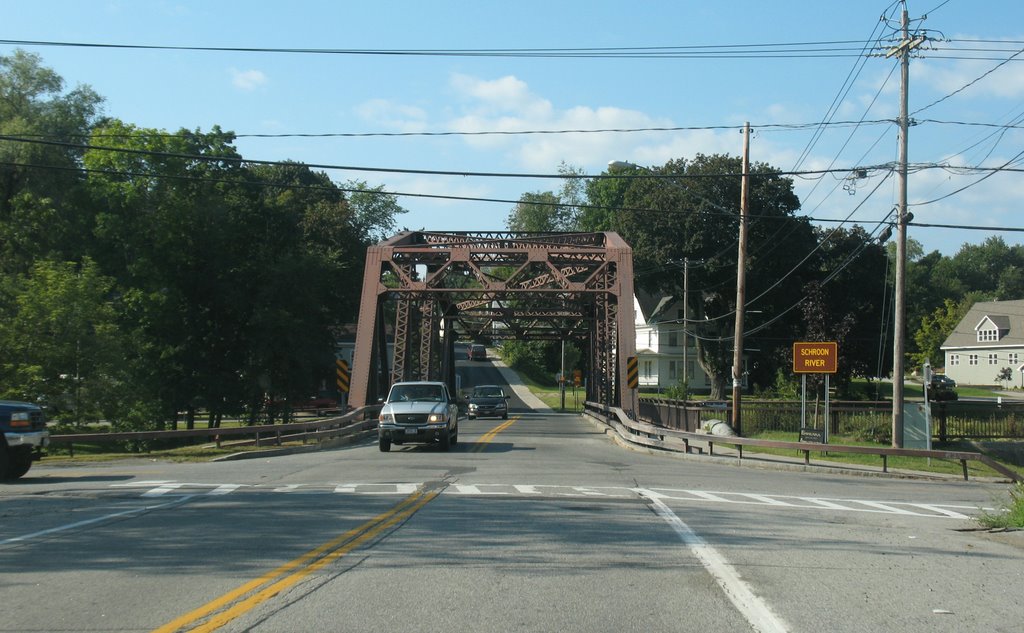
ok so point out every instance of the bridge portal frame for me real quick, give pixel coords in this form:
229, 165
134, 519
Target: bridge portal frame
439, 287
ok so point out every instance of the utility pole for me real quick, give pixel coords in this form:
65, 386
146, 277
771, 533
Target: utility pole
686, 324
741, 286
899, 326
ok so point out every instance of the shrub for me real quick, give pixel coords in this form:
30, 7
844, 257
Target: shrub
1012, 514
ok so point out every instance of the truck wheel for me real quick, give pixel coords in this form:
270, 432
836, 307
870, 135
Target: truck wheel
5, 461
19, 464
446, 440
384, 444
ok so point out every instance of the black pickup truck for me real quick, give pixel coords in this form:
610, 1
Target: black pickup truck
25, 437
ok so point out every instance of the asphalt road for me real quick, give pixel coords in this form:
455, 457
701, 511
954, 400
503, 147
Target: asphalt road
538, 523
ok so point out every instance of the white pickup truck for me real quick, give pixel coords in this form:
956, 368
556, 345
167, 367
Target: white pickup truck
418, 412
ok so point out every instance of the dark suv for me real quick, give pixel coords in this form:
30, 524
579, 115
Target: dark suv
942, 387
25, 437
476, 352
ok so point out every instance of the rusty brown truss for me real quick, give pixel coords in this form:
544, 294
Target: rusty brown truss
429, 289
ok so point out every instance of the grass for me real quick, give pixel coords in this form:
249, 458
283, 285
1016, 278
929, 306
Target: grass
1012, 513
551, 396
940, 466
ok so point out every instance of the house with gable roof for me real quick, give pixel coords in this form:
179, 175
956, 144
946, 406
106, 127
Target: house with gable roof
989, 338
659, 345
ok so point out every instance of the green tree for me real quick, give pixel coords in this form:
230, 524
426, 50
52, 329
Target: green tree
689, 209
42, 211
374, 211
845, 302
936, 328
538, 212
168, 230
62, 345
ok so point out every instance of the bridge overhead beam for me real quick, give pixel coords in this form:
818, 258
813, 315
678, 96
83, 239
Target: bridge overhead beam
439, 287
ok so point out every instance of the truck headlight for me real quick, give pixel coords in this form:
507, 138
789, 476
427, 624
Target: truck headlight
435, 418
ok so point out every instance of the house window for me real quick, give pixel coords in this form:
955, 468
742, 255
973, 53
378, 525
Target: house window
954, 359
972, 359
1013, 358
993, 359
673, 371
988, 335
647, 369
673, 339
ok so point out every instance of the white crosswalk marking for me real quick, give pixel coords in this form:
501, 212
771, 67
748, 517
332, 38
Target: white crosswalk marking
788, 502
771, 501
826, 504
937, 509
162, 490
224, 489
884, 507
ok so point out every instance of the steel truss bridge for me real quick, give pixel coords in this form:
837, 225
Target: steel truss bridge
423, 291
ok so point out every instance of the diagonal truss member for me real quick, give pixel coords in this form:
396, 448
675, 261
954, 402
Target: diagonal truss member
423, 290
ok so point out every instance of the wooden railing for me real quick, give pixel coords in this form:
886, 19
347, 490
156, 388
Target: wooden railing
644, 433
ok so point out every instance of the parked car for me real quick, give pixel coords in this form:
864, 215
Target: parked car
488, 400
418, 412
476, 352
941, 388
25, 437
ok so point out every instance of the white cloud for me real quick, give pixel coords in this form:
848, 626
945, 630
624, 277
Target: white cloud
405, 118
248, 80
948, 76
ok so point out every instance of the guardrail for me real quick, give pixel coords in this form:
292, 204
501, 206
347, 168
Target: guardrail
647, 434
353, 422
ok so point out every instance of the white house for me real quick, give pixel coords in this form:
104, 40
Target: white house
659, 344
989, 338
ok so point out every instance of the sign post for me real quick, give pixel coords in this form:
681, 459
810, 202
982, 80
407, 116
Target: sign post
632, 378
814, 358
343, 379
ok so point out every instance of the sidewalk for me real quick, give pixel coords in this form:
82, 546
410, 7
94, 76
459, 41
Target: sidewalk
522, 391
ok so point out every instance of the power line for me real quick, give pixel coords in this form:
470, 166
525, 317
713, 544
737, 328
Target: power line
719, 51
398, 170
970, 83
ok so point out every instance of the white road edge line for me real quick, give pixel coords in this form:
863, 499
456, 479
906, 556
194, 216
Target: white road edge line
755, 610
106, 517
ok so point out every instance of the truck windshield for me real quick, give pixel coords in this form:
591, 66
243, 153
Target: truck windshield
407, 393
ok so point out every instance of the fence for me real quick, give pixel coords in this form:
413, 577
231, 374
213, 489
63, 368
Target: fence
868, 420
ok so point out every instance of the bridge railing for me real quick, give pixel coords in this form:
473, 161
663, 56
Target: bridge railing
351, 423
647, 434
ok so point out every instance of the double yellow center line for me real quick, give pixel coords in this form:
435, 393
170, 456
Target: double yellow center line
487, 437
240, 601
245, 598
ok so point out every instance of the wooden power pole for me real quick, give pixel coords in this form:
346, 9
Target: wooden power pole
741, 286
906, 45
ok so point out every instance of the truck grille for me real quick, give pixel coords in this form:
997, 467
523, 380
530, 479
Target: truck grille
411, 418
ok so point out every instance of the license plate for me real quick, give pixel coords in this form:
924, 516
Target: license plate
410, 431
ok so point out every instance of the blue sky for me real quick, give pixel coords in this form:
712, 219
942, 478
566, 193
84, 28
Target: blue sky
279, 93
